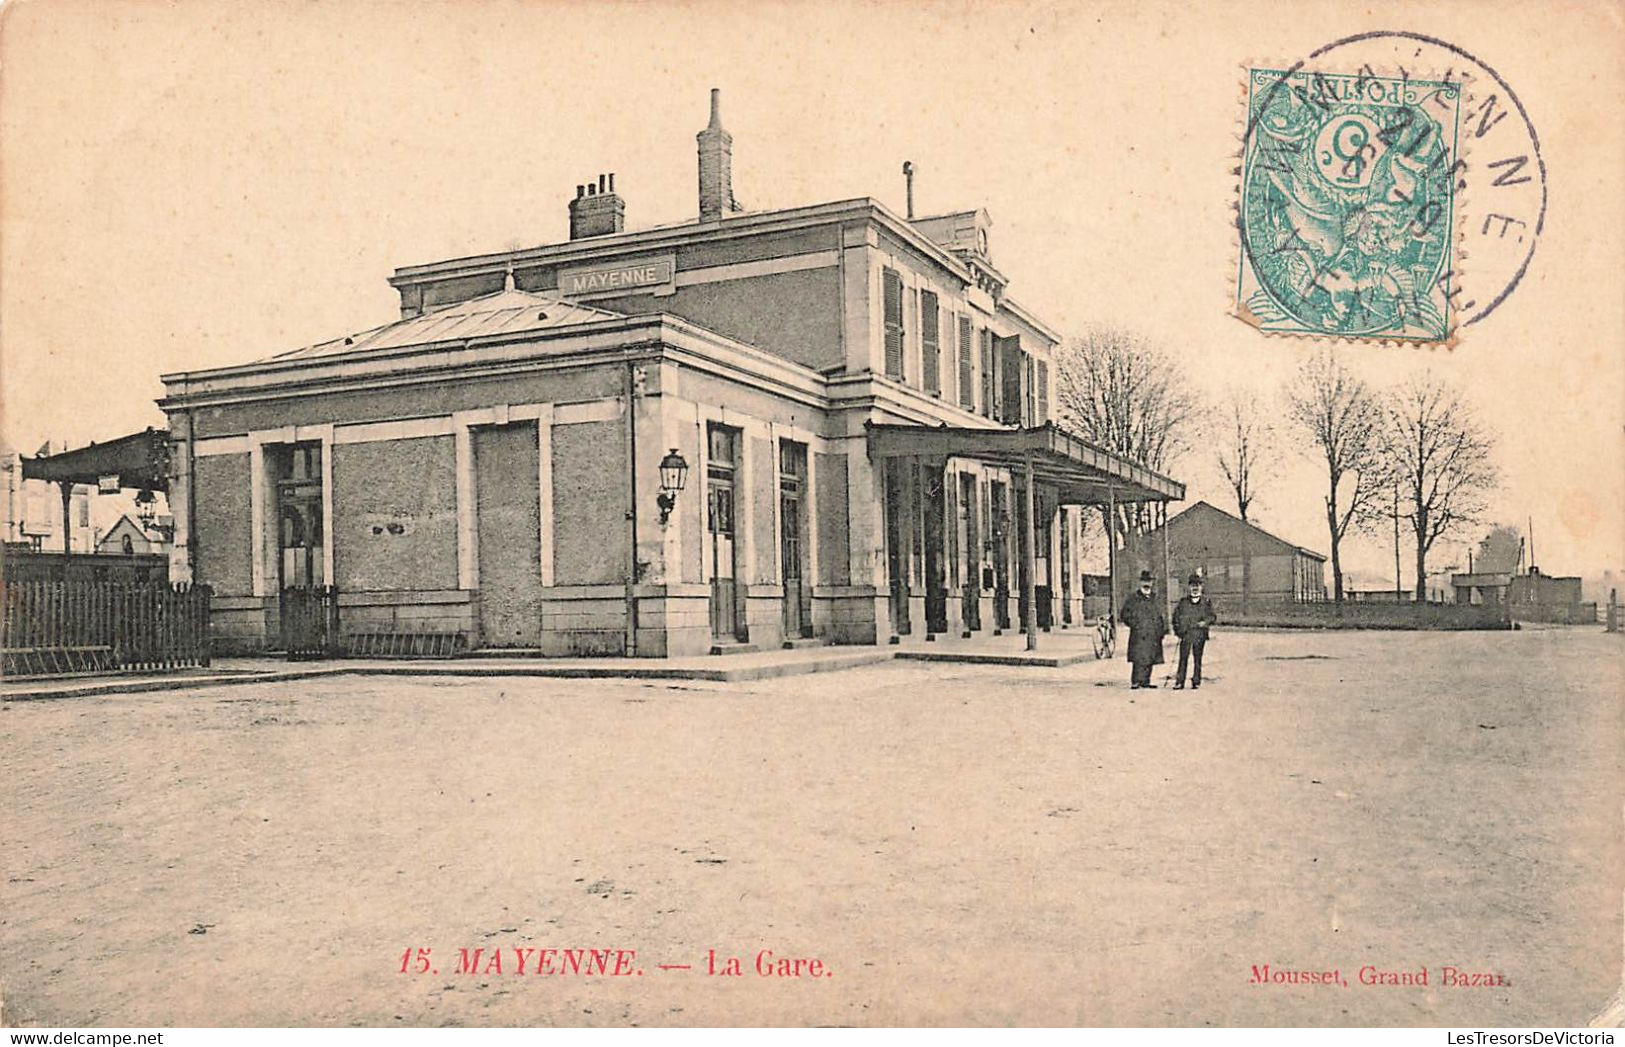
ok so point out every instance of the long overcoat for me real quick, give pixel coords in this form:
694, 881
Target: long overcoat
1192, 618
1147, 625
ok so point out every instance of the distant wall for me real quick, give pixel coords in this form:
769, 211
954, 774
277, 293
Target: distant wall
1329, 615
1558, 614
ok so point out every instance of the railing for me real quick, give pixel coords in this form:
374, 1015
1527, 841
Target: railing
53, 627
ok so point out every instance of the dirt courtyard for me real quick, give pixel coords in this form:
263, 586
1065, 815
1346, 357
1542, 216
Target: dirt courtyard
953, 844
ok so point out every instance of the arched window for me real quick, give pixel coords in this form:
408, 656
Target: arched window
128, 543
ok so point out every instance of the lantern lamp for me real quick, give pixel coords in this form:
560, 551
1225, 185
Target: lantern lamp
673, 476
146, 507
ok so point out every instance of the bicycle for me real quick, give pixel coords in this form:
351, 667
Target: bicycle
1105, 637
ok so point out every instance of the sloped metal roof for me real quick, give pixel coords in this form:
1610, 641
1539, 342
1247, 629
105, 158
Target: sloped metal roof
138, 460
508, 311
1083, 473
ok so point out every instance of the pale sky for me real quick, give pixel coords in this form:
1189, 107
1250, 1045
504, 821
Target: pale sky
194, 185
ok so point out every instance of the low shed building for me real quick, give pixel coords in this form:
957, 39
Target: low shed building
1242, 564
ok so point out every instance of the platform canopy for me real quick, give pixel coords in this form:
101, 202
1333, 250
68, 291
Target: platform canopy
1080, 472
140, 460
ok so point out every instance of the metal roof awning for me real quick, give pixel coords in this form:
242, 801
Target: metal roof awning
1080, 472
140, 460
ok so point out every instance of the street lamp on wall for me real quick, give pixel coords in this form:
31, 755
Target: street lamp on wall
673, 477
146, 507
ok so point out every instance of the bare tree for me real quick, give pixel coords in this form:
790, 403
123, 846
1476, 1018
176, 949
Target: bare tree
1344, 421
1440, 455
1125, 395
1243, 445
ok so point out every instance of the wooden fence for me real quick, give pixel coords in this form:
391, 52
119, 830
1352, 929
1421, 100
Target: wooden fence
77, 626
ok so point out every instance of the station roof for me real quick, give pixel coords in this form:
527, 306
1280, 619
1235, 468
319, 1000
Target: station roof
1082, 473
140, 460
509, 311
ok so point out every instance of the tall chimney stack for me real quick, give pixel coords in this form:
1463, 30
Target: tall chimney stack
597, 209
716, 166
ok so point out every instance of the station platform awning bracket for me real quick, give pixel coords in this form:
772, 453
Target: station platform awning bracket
1079, 472
139, 460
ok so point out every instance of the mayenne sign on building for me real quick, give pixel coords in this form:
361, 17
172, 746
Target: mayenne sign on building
617, 277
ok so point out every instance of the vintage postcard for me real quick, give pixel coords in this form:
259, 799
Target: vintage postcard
547, 513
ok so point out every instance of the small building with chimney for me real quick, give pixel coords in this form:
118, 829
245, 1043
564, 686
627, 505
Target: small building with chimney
827, 423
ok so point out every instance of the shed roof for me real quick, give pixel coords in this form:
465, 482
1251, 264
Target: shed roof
1238, 526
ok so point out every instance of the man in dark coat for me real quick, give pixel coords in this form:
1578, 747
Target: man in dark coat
1192, 617
1147, 625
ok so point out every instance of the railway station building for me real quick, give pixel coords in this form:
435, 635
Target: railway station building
827, 423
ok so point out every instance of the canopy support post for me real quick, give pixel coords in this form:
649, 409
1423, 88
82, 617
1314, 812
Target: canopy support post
1111, 550
1167, 567
1029, 585
66, 488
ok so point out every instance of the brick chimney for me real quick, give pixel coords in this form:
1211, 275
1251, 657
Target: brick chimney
597, 210
716, 166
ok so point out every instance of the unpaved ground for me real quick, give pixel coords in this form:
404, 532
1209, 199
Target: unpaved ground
957, 844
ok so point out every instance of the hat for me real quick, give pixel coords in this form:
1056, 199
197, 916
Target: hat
1194, 579
1145, 576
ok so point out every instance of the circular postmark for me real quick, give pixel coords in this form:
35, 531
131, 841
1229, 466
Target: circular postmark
1365, 166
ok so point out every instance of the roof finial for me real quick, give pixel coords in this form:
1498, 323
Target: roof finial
507, 278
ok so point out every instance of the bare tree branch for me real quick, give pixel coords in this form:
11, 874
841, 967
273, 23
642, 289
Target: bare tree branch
1128, 397
1440, 455
1244, 445
1343, 420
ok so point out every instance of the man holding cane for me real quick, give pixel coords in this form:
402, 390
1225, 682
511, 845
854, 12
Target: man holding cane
1192, 618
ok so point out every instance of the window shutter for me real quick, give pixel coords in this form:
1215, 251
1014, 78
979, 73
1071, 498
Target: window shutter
1043, 392
1012, 362
892, 285
989, 376
967, 368
930, 348
1029, 382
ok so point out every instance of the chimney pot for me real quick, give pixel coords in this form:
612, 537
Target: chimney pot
716, 165
612, 181
596, 210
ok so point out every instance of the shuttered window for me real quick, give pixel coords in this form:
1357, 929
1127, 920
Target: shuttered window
1012, 365
930, 347
892, 287
1029, 381
1043, 393
989, 375
967, 366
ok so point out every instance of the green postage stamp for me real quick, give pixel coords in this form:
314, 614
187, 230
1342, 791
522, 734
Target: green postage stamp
1348, 207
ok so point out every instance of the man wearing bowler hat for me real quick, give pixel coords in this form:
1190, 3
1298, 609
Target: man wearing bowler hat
1191, 620
1147, 625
